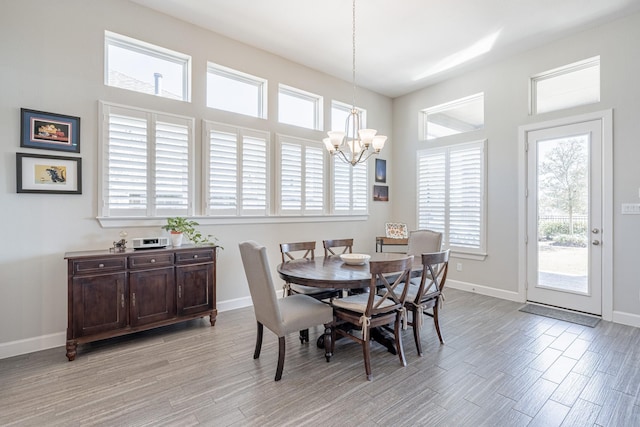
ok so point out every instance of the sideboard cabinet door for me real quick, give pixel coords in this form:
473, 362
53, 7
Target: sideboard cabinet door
100, 303
152, 296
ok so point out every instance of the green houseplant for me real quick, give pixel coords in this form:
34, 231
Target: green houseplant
180, 226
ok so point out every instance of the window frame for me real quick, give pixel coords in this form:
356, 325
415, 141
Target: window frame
152, 118
317, 102
562, 71
305, 146
479, 252
151, 50
241, 133
424, 115
229, 73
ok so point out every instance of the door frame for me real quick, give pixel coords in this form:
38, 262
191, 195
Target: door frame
606, 117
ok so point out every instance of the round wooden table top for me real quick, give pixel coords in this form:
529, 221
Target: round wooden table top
331, 272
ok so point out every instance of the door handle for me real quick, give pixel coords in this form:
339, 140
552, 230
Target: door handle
595, 242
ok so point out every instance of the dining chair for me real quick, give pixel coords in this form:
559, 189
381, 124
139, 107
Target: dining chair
427, 294
299, 250
281, 316
337, 247
423, 241
291, 251
374, 310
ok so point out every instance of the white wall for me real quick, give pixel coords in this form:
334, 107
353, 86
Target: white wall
52, 60
505, 85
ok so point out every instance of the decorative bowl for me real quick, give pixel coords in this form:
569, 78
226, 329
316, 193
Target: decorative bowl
355, 259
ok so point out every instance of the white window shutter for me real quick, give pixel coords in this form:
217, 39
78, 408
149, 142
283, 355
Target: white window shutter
451, 199
172, 169
254, 175
223, 173
290, 177
314, 179
127, 162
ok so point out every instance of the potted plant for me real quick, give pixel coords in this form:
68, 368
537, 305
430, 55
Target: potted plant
180, 226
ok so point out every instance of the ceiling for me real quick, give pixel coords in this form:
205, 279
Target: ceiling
401, 45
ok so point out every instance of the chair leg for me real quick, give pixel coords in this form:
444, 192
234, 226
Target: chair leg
304, 336
328, 342
415, 312
366, 351
281, 349
435, 320
256, 352
398, 334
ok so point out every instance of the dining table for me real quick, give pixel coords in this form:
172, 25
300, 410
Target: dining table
333, 272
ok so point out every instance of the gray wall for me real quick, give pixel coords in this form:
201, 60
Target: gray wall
505, 85
52, 60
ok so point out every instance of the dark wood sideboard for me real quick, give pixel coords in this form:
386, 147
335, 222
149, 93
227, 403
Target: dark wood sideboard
112, 294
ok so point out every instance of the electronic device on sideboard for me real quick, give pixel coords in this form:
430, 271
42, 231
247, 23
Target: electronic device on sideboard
150, 242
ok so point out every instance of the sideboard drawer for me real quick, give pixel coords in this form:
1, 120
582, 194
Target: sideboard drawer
150, 260
191, 257
98, 265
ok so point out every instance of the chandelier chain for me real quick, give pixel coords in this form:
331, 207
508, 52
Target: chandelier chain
353, 35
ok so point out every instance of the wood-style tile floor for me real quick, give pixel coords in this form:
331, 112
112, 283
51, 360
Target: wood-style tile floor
498, 367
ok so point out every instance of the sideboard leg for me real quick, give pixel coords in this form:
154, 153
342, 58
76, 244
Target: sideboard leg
212, 319
71, 350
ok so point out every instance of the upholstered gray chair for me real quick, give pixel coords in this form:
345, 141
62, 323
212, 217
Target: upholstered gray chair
423, 241
281, 316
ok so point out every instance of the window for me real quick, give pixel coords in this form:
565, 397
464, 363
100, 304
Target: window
301, 176
339, 114
142, 67
451, 195
459, 116
569, 86
237, 92
350, 195
237, 170
146, 163
299, 108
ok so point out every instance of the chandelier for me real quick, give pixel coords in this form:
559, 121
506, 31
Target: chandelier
354, 145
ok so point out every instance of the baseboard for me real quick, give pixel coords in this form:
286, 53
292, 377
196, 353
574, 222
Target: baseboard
484, 290
31, 345
59, 339
625, 318
233, 304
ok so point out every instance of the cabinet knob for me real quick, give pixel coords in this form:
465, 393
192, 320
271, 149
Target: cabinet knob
195, 256
153, 260
101, 265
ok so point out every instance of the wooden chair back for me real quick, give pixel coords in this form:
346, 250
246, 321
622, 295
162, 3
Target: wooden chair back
332, 247
286, 250
391, 294
434, 275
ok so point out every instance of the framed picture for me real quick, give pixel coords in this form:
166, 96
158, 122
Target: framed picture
380, 193
48, 174
381, 170
49, 131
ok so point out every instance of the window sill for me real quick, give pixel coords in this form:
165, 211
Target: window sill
122, 222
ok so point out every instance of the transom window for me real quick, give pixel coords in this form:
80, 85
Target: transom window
143, 67
451, 195
459, 116
237, 92
339, 113
299, 108
569, 86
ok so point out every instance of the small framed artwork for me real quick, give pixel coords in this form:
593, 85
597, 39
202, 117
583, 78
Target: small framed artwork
381, 170
381, 193
49, 131
48, 174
